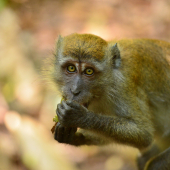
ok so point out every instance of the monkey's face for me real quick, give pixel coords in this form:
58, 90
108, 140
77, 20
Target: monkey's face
83, 68
80, 81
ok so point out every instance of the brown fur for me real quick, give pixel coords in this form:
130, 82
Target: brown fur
84, 46
128, 96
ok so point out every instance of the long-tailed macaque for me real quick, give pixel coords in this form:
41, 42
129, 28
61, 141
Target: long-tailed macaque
117, 91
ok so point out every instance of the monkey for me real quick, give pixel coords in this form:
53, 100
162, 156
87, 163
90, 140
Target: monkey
115, 91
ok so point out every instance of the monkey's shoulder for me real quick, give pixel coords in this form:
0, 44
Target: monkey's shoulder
137, 48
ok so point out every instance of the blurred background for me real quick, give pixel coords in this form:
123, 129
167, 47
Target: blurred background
28, 31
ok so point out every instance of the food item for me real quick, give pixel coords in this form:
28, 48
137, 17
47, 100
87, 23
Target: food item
53, 128
55, 119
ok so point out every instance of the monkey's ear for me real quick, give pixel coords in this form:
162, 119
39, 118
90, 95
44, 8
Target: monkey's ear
59, 40
116, 59
58, 45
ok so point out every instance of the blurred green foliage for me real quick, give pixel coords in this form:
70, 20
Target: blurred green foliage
2, 4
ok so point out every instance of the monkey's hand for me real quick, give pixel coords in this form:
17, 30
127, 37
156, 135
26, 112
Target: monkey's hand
71, 114
68, 135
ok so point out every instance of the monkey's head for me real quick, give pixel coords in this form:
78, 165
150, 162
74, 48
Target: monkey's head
83, 68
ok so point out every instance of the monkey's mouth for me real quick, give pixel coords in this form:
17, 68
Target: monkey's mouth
83, 104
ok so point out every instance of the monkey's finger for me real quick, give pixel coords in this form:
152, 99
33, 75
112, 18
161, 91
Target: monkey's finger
56, 131
59, 115
59, 109
57, 112
60, 133
65, 106
60, 105
72, 134
67, 134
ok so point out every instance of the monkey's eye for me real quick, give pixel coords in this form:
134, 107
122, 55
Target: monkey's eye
71, 69
89, 71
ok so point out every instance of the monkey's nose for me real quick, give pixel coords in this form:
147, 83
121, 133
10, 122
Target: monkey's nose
75, 92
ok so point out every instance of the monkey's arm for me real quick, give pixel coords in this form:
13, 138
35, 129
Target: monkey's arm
135, 132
